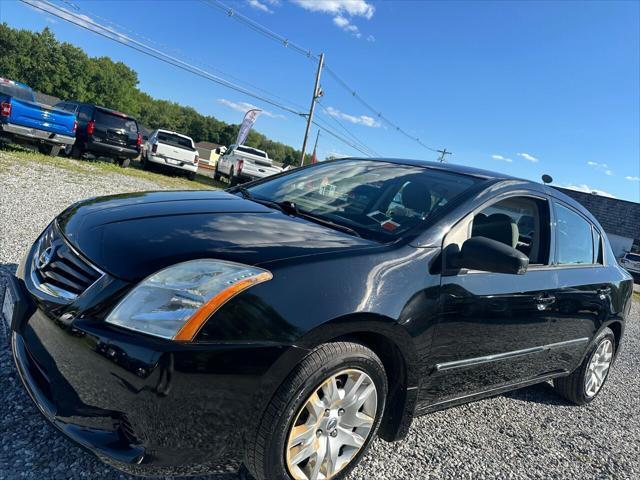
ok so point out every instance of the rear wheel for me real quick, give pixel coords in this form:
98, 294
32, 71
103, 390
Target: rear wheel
233, 180
323, 417
586, 382
77, 151
191, 176
52, 150
124, 162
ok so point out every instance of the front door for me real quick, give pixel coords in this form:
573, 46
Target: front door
493, 328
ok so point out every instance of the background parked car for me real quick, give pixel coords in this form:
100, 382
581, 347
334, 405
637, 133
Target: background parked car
242, 164
631, 263
171, 149
23, 120
103, 132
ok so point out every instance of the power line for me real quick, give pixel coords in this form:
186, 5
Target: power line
341, 125
259, 28
89, 25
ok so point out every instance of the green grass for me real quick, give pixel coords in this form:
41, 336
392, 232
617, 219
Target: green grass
10, 154
636, 296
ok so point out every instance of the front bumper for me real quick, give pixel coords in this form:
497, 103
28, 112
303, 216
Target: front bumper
144, 405
35, 135
185, 166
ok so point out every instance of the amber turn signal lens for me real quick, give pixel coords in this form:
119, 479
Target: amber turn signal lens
191, 328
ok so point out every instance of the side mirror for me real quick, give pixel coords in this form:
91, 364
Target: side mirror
485, 254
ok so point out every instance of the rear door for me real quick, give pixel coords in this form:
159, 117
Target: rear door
493, 328
584, 290
115, 129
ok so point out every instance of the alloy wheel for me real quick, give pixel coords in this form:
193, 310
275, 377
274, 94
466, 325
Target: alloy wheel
598, 368
332, 426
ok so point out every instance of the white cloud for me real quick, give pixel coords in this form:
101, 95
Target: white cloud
501, 158
354, 8
342, 11
632, 179
602, 167
346, 25
528, 157
244, 107
587, 189
258, 5
358, 120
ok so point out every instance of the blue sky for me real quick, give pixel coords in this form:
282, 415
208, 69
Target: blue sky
521, 87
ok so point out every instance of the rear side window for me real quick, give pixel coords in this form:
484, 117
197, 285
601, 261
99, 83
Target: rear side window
175, 140
85, 113
574, 241
16, 91
109, 121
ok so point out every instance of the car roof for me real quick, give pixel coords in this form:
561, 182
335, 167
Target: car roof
492, 177
449, 167
100, 107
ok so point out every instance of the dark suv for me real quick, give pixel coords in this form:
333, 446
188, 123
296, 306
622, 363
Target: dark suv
103, 132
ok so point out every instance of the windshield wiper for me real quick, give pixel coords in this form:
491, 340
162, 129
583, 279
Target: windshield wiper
282, 206
328, 223
290, 208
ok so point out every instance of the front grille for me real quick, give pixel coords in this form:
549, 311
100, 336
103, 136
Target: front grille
58, 270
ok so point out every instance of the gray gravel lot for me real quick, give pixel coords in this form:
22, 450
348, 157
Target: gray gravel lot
531, 433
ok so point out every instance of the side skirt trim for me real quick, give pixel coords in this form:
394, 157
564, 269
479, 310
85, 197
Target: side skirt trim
467, 362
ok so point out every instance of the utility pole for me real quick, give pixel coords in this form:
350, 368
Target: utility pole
442, 154
316, 94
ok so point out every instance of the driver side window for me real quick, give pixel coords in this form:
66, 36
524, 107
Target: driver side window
519, 222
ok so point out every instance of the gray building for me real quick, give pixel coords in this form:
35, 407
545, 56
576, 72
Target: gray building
619, 218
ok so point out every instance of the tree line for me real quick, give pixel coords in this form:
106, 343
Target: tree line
67, 72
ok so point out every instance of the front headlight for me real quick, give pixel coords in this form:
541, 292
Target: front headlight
175, 302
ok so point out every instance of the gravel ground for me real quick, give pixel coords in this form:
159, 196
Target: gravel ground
531, 433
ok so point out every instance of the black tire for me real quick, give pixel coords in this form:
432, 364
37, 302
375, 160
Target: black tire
191, 176
233, 180
76, 152
52, 150
265, 452
573, 387
124, 162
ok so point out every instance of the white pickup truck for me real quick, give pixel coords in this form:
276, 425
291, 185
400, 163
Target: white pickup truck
242, 164
172, 150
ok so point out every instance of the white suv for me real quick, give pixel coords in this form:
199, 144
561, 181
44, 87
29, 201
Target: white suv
171, 149
631, 262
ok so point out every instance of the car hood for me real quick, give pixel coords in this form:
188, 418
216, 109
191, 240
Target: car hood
133, 235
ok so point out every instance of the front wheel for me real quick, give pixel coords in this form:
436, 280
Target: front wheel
584, 384
323, 417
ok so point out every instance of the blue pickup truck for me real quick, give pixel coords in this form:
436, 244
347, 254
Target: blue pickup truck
23, 120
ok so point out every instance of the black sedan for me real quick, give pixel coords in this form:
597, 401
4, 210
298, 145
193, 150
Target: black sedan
285, 323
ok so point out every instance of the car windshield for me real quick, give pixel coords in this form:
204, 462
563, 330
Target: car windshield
175, 140
17, 91
378, 200
116, 122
